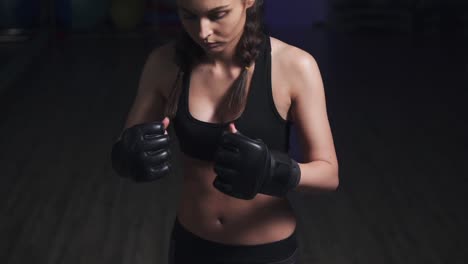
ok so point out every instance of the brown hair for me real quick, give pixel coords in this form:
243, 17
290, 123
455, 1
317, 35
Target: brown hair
247, 50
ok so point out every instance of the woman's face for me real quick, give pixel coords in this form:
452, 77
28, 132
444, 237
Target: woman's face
214, 24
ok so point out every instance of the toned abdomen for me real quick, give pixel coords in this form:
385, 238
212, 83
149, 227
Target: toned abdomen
215, 216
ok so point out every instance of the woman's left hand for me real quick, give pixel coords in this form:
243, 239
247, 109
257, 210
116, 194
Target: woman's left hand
246, 166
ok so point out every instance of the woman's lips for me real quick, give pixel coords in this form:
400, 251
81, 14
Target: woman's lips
211, 45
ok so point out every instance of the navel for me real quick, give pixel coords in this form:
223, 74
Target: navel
220, 220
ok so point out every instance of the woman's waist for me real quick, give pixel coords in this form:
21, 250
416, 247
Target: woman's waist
212, 214
191, 245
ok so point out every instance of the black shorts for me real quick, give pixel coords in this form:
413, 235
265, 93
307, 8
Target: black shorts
186, 248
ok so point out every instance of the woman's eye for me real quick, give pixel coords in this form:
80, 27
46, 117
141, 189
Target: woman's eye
218, 15
215, 16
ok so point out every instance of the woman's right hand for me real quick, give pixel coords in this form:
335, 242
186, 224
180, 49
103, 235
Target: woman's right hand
143, 153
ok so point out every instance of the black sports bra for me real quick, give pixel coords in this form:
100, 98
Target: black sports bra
260, 118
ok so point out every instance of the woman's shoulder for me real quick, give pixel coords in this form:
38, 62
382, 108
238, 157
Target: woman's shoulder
163, 56
161, 60
290, 56
295, 64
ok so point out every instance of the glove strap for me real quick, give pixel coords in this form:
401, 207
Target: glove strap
285, 175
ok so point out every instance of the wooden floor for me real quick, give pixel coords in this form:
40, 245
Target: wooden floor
398, 114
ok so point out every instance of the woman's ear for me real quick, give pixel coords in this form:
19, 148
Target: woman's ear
249, 3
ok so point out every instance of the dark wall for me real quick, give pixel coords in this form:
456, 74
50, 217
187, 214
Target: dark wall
296, 12
413, 16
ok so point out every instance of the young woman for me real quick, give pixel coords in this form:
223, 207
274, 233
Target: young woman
231, 93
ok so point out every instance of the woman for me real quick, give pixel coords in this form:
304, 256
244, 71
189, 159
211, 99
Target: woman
231, 93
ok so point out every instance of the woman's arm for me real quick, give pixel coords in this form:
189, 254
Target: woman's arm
142, 150
156, 79
319, 167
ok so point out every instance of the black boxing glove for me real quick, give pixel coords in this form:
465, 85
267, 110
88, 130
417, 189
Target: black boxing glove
142, 153
246, 166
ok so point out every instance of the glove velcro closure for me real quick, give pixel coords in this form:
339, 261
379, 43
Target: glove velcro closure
284, 175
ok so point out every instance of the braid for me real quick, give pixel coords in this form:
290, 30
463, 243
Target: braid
247, 51
249, 44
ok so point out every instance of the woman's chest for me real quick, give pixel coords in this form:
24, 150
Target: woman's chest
207, 94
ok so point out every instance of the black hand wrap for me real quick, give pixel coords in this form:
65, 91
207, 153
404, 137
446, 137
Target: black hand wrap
142, 153
245, 167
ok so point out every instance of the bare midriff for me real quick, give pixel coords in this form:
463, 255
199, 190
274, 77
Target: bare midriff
215, 216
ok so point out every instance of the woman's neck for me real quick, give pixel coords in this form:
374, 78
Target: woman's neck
226, 59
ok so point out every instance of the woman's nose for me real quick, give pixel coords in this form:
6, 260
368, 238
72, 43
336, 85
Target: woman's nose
205, 28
